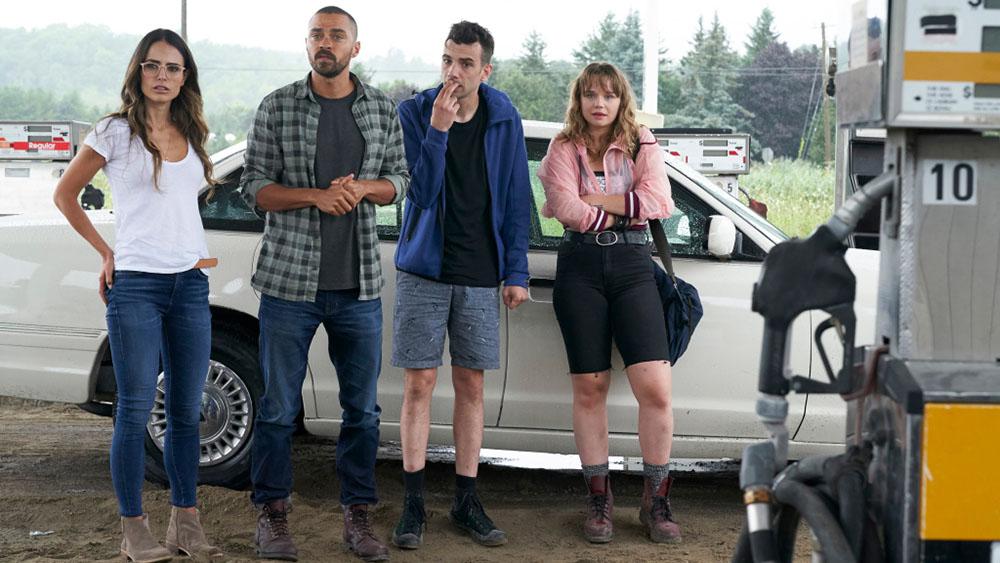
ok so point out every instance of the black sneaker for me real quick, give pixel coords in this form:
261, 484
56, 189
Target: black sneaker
409, 532
467, 514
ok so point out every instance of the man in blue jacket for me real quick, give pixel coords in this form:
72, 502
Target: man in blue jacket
465, 230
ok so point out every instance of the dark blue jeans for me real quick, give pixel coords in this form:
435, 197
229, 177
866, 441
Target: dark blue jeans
355, 333
154, 318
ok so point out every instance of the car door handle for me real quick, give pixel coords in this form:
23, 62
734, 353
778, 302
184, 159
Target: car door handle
540, 289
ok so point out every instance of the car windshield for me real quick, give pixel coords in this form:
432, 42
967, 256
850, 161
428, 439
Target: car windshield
733, 204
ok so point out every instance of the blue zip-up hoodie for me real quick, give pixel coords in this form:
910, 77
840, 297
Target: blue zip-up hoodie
421, 240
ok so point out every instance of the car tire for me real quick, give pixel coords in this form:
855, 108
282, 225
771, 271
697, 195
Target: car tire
233, 388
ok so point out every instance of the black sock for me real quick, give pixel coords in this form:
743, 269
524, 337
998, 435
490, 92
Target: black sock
414, 482
464, 485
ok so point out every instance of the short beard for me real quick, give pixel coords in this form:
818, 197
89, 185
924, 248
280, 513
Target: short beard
334, 71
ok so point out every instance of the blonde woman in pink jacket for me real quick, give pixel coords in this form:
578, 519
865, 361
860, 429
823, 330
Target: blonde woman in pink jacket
604, 177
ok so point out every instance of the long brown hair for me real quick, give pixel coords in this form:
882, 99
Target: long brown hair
624, 130
185, 110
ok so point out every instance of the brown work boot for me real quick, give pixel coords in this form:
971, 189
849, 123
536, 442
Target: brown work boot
184, 534
274, 539
655, 512
358, 534
600, 504
139, 545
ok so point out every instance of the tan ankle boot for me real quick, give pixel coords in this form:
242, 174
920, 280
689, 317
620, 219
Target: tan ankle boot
184, 534
138, 544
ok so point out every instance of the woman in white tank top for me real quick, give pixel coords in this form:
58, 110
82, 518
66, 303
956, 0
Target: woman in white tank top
153, 280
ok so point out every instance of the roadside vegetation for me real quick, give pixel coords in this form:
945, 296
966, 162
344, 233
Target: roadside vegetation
798, 193
767, 88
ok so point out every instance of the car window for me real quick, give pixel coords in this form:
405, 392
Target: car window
686, 228
388, 219
223, 207
546, 233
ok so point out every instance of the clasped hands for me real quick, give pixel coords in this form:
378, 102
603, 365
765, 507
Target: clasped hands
341, 197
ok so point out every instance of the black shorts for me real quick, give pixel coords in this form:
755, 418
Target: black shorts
603, 292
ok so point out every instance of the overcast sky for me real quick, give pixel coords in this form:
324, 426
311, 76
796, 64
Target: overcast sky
418, 28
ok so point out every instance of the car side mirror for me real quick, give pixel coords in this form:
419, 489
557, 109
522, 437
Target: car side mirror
722, 236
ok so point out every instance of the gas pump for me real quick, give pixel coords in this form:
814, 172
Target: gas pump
919, 478
33, 156
719, 154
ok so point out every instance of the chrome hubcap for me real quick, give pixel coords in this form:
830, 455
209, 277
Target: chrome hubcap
226, 415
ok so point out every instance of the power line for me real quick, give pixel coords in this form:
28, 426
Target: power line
764, 71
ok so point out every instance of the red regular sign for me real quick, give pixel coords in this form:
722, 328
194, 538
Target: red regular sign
34, 146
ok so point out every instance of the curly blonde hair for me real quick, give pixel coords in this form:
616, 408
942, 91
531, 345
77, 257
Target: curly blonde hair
624, 130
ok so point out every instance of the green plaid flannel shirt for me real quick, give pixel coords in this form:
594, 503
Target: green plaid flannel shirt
281, 149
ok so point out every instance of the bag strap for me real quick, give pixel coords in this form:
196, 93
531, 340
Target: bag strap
659, 236
662, 247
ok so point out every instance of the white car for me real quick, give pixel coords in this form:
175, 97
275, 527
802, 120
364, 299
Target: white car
54, 346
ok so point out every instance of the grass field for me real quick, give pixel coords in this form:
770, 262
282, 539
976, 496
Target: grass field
798, 193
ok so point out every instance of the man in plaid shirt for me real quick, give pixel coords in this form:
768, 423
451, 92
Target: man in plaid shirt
321, 154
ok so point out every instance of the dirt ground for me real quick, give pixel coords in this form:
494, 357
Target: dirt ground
54, 477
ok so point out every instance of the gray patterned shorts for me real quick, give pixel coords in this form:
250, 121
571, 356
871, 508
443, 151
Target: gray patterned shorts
425, 309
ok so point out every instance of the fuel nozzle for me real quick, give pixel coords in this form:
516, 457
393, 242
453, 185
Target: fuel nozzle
801, 275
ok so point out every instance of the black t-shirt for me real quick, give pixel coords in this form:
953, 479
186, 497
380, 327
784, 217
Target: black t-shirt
340, 150
470, 249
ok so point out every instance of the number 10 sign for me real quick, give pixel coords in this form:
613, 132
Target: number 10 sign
950, 182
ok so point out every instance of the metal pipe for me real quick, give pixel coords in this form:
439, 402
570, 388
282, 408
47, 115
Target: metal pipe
821, 521
742, 554
807, 470
786, 527
851, 503
756, 473
846, 218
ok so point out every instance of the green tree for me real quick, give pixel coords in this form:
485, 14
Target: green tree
669, 95
36, 104
91, 60
619, 43
778, 87
761, 35
399, 90
395, 65
533, 58
363, 72
812, 145
536, 86
707, 80
228, 126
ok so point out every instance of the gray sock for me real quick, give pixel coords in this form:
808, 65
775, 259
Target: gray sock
655, 473
599, 470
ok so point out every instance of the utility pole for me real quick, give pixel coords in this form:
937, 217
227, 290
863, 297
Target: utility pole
827, 155
184, 20
651, 57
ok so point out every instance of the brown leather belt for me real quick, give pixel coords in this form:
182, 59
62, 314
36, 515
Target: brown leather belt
206, 263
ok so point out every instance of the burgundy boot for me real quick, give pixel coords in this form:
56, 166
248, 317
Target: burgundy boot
656, 515
600, 504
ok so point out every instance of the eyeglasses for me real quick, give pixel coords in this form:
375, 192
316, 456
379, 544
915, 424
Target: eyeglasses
150, 68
